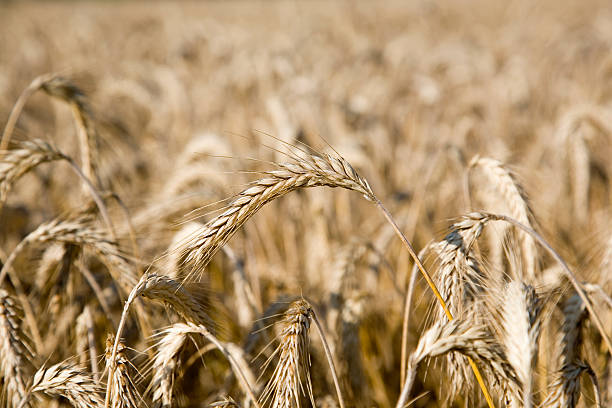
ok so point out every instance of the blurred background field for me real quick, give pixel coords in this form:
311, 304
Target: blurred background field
188, 98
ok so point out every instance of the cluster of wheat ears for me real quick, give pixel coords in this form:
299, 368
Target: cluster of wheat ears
132, 274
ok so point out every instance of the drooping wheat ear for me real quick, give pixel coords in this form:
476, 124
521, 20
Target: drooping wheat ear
464, 336
246, 303
66, 90
566, 389
175, 294
17, 162
513, 199
293, 367
312, 172
461, 282
123, 392
69, 381
521, 330
174, 342
13, 352
18, 107
79, 231
164, 289
571, 137
164, 365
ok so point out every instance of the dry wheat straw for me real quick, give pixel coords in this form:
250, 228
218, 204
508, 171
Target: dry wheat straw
69, 381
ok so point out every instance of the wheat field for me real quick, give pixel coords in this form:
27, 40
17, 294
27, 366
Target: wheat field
284, 204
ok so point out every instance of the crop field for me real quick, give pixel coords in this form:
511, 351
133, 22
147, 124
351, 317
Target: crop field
291, 204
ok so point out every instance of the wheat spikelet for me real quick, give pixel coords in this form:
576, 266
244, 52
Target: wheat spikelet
521, 329
123, 393
311, 172
13, 352
69, 381
293, 367
515, 200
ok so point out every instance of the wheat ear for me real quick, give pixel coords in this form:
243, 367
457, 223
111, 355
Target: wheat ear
121, 392
69, 381
293, 367
13, 352
18, 107
182, 329
521, 330
17, 162
514, 198
464, 336
566, 389
79, 232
